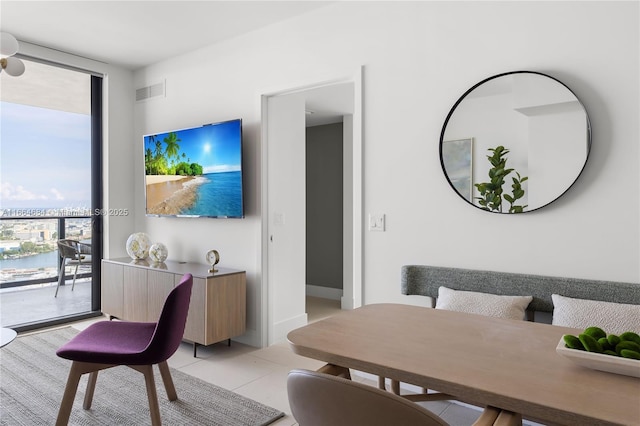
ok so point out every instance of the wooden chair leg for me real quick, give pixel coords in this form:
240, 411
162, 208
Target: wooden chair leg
508, 418
69, 394
492, 416
91, 387
488, 416
77, 370
168, 381
152, 396
395, 386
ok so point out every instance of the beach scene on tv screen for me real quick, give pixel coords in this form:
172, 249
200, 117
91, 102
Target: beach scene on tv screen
195, 172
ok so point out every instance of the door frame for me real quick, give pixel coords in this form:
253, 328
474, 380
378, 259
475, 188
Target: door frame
352, 291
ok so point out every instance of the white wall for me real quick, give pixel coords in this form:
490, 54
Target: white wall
418, 58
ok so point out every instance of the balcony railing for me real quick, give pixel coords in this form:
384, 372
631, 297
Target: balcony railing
29, 270
29, 251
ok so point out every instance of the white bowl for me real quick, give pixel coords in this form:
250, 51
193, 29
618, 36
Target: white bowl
602, 362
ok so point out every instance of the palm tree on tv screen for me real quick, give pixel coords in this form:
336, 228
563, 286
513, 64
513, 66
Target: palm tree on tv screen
172, 148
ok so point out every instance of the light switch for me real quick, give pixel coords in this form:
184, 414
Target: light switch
376, 222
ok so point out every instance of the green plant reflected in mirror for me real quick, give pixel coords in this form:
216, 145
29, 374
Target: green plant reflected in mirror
515, 142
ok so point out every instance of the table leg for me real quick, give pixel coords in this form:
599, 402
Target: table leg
335, 370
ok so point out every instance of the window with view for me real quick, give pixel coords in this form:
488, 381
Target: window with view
46, 148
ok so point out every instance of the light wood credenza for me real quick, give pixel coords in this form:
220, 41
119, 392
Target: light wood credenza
135, 290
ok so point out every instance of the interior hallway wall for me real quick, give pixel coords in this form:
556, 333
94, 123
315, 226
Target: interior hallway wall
324, 208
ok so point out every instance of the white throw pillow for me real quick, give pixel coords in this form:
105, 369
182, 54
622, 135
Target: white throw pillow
492, 305
612, 317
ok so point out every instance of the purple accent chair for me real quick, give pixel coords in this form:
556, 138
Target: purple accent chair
138, 345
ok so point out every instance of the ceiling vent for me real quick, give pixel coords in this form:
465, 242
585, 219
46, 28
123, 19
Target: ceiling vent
153, 91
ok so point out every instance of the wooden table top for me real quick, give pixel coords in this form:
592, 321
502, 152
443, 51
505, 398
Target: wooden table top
508, 364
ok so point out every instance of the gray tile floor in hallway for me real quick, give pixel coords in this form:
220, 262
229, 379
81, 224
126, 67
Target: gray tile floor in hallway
261, 374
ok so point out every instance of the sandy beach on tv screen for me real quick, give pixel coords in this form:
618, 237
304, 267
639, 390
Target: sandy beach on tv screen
168, 195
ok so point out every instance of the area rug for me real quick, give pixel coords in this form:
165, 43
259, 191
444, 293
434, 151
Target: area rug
32, 381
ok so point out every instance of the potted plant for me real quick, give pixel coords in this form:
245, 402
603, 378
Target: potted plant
491, 193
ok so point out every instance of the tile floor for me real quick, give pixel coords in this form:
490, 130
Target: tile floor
261, 374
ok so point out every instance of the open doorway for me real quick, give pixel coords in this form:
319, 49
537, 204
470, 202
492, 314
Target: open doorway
324, 243
285, 116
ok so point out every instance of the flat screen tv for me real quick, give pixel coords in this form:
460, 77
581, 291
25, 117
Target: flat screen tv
195, 172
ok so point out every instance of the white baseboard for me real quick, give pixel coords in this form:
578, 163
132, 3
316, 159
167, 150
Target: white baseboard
347, 303
324, 292
282, 328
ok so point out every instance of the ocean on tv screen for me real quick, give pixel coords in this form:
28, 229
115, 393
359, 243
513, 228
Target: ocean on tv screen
206, 195
219, 195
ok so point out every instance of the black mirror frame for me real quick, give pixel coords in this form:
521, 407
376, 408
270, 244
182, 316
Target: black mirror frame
452, 110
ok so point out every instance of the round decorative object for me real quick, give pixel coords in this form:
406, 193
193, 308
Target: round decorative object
138, 245
515, 142
213, 257
158, 252
8, 45
158, 265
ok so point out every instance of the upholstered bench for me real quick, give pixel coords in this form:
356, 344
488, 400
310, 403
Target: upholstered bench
577, 299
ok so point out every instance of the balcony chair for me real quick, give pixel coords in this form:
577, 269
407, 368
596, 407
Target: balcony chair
137, 345
73, 253
319, 399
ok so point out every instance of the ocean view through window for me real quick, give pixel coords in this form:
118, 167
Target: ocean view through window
45, 191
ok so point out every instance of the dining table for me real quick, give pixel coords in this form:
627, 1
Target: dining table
485, 361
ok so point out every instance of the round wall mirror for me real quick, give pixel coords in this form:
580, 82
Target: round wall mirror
515, 142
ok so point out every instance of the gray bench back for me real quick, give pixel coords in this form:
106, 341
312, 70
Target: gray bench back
425, 280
